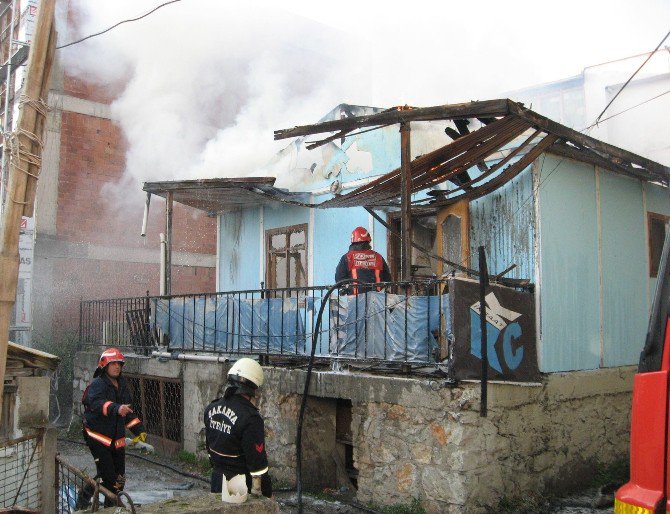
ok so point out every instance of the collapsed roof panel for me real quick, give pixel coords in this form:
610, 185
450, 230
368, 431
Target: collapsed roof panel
469, 161
219, 195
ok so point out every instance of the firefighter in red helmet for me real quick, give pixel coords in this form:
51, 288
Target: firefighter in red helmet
362, 263
107, 414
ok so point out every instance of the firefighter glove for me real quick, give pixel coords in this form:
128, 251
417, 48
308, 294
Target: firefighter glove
140, 438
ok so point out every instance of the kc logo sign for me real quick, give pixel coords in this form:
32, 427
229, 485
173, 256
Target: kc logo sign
510, 332
499, 320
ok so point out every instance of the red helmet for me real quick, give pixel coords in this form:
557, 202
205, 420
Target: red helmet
110, 355
359, 235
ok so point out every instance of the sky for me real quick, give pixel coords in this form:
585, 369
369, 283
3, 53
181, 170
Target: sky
201, 85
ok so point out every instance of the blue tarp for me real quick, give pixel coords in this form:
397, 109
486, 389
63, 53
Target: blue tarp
372, 325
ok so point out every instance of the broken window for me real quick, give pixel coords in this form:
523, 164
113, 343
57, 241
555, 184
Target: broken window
658, 225
286, 257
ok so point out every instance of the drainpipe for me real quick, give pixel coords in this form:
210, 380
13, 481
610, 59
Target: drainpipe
162, 287
189, 357
145, 219
168, 236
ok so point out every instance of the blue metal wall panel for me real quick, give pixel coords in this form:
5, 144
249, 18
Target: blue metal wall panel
239, 257
569, 289
503, 222
658, 201
332, 232
279, 215
624, 269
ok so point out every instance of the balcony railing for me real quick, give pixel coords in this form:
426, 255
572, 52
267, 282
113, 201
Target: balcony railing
397, 322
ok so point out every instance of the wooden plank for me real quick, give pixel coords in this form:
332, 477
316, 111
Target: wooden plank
485, 109
564, 150
40, 122
428, 160
495, 167
210, 183
406, 179
508, 174
433, 174
17, 188
655, 170
474, 155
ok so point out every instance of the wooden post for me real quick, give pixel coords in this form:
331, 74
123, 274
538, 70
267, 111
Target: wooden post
24, 168
168, 237
405, 203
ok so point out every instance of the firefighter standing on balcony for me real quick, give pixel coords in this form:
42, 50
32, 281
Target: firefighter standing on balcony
235, 433
362, 263
107, 415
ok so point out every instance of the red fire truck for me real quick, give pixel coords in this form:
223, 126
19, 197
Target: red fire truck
648, 490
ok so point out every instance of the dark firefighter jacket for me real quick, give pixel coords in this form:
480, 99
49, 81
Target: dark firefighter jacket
363, 264
235, 438
101, 406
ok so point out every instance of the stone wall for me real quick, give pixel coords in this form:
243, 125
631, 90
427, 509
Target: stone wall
423, 438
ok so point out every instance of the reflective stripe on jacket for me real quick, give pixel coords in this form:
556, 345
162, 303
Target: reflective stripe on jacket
101, 412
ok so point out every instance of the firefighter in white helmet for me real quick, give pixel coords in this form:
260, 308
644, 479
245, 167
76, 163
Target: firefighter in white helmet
235, 433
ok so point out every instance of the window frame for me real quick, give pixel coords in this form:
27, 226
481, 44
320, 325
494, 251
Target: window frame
651, 217
270, 255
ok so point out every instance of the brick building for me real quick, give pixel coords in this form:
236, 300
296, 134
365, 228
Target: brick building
87, 241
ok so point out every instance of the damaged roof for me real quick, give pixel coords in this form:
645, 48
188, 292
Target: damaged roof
509, 138
492, 142
216, 195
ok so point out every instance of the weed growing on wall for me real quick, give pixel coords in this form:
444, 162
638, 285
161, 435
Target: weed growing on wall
200, 464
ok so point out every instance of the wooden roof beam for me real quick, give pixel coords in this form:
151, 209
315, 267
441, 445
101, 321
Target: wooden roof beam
507, 174
485, 109
539, 121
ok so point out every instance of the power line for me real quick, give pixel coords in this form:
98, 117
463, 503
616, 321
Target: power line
116, 25
631, 77
626, 110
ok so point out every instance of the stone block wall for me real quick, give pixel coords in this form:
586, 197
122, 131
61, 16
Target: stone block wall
423, 438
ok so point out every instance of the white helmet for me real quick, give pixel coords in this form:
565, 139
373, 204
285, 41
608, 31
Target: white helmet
246, 369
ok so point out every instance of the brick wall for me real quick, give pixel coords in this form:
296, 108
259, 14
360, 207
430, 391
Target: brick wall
94, 220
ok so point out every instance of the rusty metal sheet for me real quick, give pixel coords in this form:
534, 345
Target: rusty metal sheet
224, 194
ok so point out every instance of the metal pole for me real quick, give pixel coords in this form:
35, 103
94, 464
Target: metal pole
405, 203
145, 218
168, 236
483, 283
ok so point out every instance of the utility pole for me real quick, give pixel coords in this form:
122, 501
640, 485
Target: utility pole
25, 147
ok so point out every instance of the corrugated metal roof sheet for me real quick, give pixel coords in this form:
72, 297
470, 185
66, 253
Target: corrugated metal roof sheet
224, 194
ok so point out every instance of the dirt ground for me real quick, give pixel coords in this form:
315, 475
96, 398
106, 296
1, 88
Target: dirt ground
149, 483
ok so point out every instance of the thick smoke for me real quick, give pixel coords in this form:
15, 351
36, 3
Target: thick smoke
200, 85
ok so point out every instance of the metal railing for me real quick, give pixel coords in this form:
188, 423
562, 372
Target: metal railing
398, 322
76, 491
21, 473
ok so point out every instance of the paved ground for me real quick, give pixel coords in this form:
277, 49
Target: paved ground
149, 483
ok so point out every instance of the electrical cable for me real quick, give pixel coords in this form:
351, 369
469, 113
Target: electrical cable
116, 25
152, 461
631, 77
303, 403
626, 110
